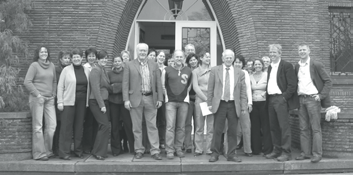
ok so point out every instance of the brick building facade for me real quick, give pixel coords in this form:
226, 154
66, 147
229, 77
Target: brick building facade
247, 26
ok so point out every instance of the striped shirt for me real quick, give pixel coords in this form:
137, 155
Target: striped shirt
145, 73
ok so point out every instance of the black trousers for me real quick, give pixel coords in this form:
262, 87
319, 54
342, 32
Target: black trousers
226, 110
279, 123
161, 123
120, 118
72, 118
100, 146
90, 128
260, 129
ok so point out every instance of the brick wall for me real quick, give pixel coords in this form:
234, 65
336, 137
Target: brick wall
15, 136
336, 135
248, 26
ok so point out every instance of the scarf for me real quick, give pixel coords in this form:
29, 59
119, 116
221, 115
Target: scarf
44, 64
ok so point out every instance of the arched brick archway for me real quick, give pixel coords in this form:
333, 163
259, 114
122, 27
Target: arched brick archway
233, 17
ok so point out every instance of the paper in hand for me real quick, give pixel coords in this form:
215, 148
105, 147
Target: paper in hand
204, 109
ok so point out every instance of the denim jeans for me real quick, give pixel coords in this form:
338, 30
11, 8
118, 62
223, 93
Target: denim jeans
200, 124
309, 124
176, 113
42, 143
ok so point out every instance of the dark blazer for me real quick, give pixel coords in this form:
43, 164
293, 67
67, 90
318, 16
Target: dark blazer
100, 85
132, 89
287, 82
321, 81
215, 89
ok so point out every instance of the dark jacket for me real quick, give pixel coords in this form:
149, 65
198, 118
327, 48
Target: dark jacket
287, 82
321, 81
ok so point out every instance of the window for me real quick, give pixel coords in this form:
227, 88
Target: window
341, 38
190, 10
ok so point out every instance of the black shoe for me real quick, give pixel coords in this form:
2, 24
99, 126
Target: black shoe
213, 159
273, 155
115, 154
315, 159
79, 156
197, 154
188, 151
138, 155
234, 159
45, 158
86, 152
248, 154
66, 158
284, 157
98, 157
302, 157
156, 156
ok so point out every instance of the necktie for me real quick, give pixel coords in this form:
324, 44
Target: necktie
226, 95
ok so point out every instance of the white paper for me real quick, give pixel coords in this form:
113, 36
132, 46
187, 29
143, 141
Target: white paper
204, 109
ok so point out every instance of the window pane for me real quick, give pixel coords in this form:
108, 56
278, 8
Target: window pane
193, 10
199, 37
341, 49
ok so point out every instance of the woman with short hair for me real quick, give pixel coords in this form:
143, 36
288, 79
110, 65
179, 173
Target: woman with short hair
119, 115
64, 58
73, 90
99, 105
41, 83
90, 125
200, 84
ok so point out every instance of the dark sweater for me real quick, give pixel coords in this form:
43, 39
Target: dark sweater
116, 80
177, 83
81, 83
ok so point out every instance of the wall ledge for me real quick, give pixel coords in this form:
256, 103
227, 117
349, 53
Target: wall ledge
14, 115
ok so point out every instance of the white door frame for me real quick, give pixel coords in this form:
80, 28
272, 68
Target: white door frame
178, 34
198, 24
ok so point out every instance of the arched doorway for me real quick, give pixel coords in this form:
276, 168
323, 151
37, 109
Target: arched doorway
193, 22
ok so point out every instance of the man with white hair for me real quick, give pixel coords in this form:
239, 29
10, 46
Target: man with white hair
226, 98
143, 95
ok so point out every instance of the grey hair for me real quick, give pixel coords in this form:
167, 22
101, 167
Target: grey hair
189, 45
228, 50
125, 51
277, 46
141, 44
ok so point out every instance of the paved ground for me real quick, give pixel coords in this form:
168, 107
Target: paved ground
126, 164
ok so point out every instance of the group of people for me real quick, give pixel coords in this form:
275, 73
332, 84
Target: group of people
148, 104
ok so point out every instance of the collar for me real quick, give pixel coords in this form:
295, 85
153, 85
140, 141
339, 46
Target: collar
305, 63
276, 64
230, 67
142, 63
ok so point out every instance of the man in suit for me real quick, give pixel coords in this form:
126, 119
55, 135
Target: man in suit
314, 85
226, 98
281, 97
143, 95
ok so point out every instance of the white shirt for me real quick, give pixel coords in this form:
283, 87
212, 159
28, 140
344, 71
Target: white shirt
305, 84
231, 81
272, 87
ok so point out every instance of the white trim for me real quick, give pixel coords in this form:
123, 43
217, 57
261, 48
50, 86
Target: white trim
198, 24
133, 23
218, 27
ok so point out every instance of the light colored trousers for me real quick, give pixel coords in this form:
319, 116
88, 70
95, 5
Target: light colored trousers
149, 111
200, 124
188, 125
42, 143
244, 129
176, 113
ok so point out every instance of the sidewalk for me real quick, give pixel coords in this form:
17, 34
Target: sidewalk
126, 164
